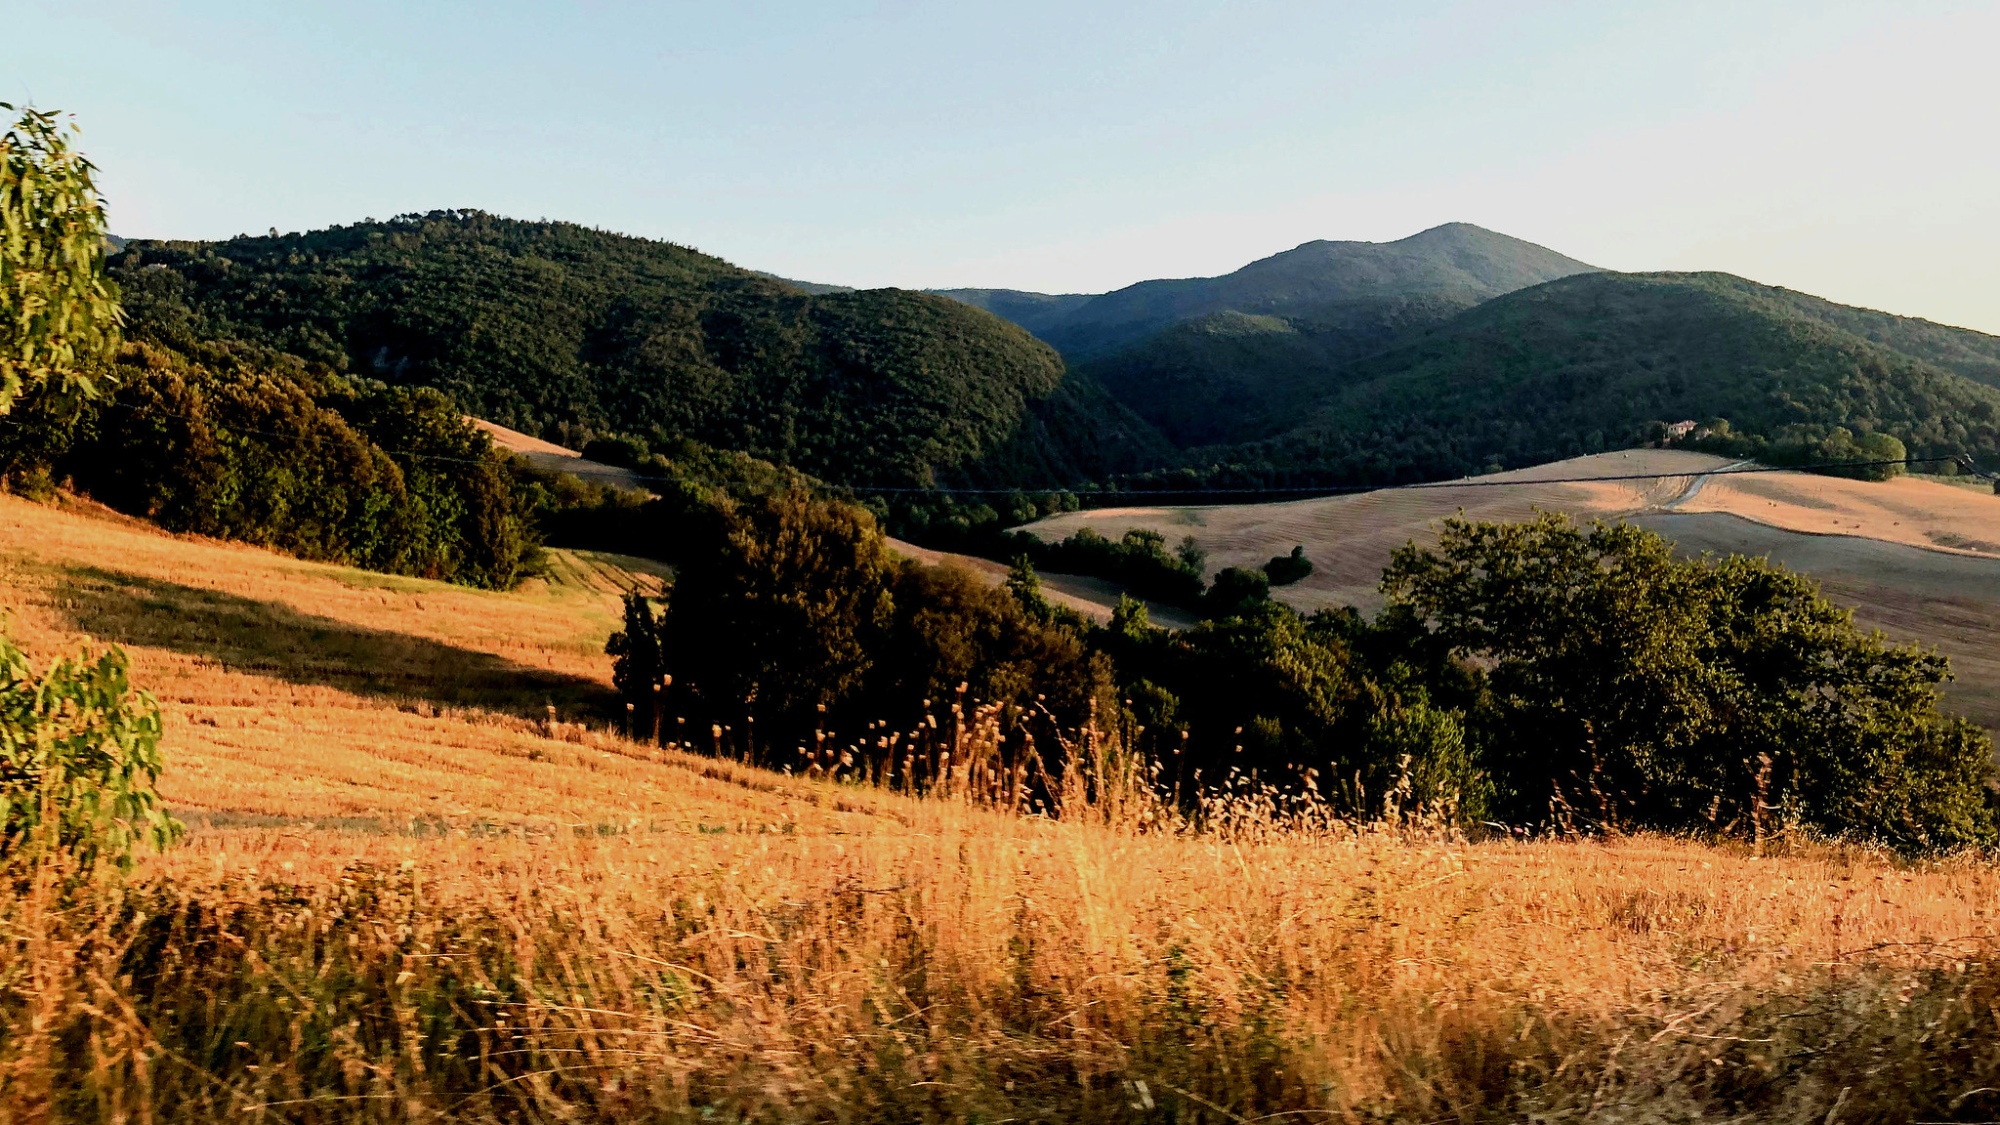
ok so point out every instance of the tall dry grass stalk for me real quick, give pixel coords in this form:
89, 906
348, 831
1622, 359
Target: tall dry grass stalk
968, 963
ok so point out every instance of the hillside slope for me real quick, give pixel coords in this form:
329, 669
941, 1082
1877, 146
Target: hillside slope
1583, 364
402, 879
1232, 377
553, 328
1036, 312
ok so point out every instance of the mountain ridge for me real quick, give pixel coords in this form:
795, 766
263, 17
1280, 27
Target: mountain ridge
1451, 258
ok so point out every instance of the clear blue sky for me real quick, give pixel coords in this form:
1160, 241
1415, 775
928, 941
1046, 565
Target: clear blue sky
1851, 150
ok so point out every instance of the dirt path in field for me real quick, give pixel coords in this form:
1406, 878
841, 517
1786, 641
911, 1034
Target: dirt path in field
1694, 486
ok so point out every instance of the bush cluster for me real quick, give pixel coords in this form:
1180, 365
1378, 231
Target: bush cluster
789, 617
1138, 560
239, 444
1622, 685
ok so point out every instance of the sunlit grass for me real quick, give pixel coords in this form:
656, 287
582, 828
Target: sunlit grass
407, 896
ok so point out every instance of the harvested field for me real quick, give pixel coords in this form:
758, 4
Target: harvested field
1917, 558
1350, 538
549, 456
414, 898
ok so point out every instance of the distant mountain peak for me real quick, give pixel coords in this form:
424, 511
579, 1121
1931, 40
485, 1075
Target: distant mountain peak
1461, 262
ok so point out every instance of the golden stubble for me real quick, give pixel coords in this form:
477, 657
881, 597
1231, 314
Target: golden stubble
796, 912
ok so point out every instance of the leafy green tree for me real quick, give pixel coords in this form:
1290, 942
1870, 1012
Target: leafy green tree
637, 664
253, 446
1236, 591
789, 610
1627, 686
59, 313
782, 608
79, 756
1430, 768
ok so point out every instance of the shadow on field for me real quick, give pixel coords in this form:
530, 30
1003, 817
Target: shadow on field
268, 639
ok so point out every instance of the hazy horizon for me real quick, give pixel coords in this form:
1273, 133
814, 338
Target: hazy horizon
1837, 149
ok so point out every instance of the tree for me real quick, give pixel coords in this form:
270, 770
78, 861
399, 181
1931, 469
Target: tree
59, 313
1237, 590
79, 754
1626, 685
778, 611
790, 611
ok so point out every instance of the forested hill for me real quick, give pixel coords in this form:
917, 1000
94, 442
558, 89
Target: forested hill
1262, 376
570, 332
1586, 362
1457, 262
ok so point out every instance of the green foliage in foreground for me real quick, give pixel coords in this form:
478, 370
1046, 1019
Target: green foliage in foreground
79, 754
58, 311
1622, 685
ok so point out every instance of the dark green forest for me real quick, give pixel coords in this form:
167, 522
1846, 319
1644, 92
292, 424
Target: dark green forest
570, 333
239, 443
1332, 365
1230, 378
1587, 364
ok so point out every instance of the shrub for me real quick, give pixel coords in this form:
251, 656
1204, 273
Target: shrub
1283, 570
58, 311
1629, 686
1237, 590
79, 754
621, 450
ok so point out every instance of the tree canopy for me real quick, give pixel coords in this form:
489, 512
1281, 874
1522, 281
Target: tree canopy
59, 313
1625, 685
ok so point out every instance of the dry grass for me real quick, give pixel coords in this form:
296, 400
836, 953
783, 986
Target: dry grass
406, 899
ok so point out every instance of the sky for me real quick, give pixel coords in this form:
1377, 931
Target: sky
1844, 149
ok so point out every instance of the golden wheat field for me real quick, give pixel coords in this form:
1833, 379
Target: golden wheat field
408, 895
